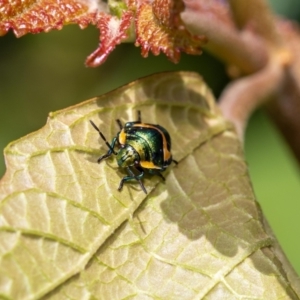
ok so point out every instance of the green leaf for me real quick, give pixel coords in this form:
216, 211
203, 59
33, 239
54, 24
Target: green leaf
67, 233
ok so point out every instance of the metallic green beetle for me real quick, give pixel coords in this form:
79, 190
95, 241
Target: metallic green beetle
141, 146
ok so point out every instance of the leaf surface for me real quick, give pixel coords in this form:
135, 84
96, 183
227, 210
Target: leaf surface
67, 233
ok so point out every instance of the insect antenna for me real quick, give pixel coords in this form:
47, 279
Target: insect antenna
139, 116
120, 124
103, 137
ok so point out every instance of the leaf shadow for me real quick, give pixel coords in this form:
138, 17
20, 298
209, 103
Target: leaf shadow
211, 197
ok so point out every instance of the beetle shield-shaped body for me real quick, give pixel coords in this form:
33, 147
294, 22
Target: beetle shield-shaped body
141, 146
146, 145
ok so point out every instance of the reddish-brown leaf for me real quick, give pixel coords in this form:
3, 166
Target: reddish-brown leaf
160, 28
112, 32
32, 16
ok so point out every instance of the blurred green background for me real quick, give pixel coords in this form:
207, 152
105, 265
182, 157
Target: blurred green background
45, 72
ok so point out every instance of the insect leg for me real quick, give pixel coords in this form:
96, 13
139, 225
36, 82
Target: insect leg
160, 175
133, 176
175, 161
156, 172
109, 152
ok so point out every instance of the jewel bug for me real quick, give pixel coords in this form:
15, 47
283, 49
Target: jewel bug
141, 147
